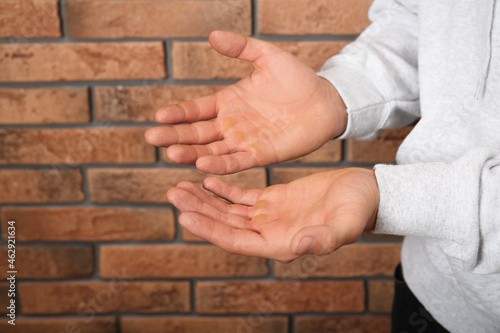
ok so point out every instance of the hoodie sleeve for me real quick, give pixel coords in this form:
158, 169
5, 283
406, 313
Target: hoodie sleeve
456, 203
377, 75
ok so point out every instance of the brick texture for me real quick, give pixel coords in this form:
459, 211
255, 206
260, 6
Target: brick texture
29, 19
40, 186
82, 61
197, 60
98, 247
151, 185
203, 324
372, 236
280, 297
382, 149
90, 224
90, 324
178, 261
328, 153
45, 105
287, 175
189, 236
50, 262
320, 17
351, 324
4, 298
75, 146
153, 18
348, 261
104, 297
381, 296
139, 103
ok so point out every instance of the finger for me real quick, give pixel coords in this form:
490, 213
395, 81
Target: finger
197, 133
232, 193
234, 240
203, 108
186, 202
240, 210
203, 196
237, 45
227, 163
189, 154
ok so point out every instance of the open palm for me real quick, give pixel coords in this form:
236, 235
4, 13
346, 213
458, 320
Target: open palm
281, 111
315, 214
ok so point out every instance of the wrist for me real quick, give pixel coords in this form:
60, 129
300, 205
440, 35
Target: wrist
370, 226
337, 105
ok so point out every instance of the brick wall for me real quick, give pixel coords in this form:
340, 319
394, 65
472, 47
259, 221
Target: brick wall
98, 248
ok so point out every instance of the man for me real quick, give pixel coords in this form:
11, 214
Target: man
434, 60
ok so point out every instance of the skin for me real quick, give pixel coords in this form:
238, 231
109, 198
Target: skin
312, 215
250, 123
281, 111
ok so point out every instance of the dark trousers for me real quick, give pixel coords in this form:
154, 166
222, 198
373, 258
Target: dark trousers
408, 314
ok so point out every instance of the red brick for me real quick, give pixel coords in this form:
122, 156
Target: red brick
204, 324
279, 297
44, 105
320, 17
381, 150
37, 186
29, 19
372, 236
189, 236
150, 185
82, 61
313, 54
329, 152
287, 175
348, 261
381, 295
49, 262
75, 146
156, 19
91, 297
197, 60
344, 324
73, 324
175, 261
139, 103
90, 223
4, 299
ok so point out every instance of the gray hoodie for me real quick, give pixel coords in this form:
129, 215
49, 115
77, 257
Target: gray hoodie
438, 61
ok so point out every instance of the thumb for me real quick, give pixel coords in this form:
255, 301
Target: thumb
237, 45
318, 240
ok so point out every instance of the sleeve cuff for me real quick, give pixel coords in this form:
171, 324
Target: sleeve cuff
361, 98
433, 200
422, 200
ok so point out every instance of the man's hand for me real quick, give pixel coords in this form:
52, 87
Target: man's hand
281, 111
312, 215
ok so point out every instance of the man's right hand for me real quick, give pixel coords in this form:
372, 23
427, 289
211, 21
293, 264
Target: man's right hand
281, 111
312, 215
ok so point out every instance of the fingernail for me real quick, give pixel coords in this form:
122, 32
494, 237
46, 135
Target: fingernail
306, 245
